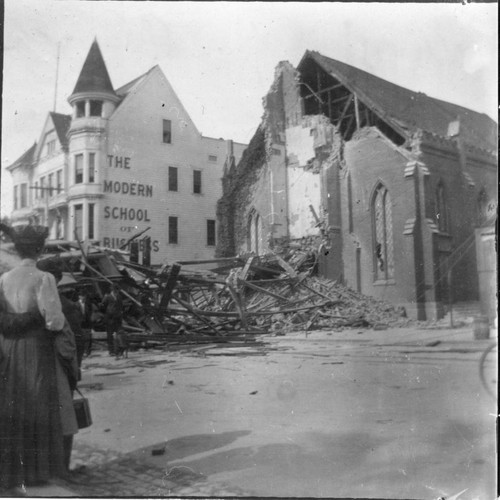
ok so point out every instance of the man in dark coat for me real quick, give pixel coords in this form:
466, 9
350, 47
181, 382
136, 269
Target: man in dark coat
113, 314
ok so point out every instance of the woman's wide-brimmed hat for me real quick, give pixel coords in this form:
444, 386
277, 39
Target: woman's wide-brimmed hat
27, 235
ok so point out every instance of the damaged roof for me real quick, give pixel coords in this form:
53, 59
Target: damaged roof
408, 110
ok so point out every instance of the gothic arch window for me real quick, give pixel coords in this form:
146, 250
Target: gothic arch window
250, 232
254, 232
382, 234
441, 208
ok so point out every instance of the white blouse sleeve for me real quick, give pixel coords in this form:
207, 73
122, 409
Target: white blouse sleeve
49, 303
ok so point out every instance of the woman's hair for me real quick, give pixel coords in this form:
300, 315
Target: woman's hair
28, 251
51, 266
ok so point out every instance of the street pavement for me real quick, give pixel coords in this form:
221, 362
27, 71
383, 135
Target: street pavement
398, 413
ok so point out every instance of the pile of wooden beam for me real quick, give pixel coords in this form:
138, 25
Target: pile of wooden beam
235, 300
252, 295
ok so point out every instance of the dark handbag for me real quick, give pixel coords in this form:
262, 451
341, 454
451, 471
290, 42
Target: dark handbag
82, 411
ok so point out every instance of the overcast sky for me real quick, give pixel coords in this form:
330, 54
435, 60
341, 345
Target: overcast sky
220, 56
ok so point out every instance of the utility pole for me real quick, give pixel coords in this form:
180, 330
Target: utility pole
57, 76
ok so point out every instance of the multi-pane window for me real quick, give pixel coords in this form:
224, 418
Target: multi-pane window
90, 233
51, 183
173, 236
42, 187
441, 208
59, 180
95, 108
210, 232
382, 230
51, 147
254, 232
197, 181
167, 131
16, 198
79, 221
91, 167
172, 179
78, 169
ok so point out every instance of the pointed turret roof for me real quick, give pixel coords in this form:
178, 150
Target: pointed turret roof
94, 76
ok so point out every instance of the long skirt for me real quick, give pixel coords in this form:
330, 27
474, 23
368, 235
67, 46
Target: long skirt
31, 441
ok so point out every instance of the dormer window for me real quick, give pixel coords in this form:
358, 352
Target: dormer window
95, 108
80, 109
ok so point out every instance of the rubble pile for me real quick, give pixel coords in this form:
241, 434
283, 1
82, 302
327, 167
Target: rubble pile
237, 299
284, 295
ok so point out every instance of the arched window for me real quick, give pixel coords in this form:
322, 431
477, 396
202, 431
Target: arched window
382, 231
250, 233
441, 208
254, 232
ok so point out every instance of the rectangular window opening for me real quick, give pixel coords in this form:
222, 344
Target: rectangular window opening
16, 200
78, 169
24, 195
172, 179
80, 109
95, 108
90, 234
197, 181
79, 221
59, 180
167, 131
91, 167
42, 187
51, 184
173, 236
211, 233
212, 158
51, 147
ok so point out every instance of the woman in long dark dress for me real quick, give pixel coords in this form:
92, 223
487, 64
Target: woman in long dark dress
31, 441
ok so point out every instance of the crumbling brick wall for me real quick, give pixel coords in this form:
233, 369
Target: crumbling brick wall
238, 188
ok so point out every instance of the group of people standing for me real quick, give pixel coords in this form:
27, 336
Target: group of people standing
43, 339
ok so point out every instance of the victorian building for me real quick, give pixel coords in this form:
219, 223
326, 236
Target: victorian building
125, 160
388, 184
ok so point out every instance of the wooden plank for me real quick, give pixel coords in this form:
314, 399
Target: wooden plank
344, 111
315, 215
262, 290
285, 265
246, 269
356, 111
209, 261
169, 286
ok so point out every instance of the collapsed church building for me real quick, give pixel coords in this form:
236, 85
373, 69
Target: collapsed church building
387, 184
